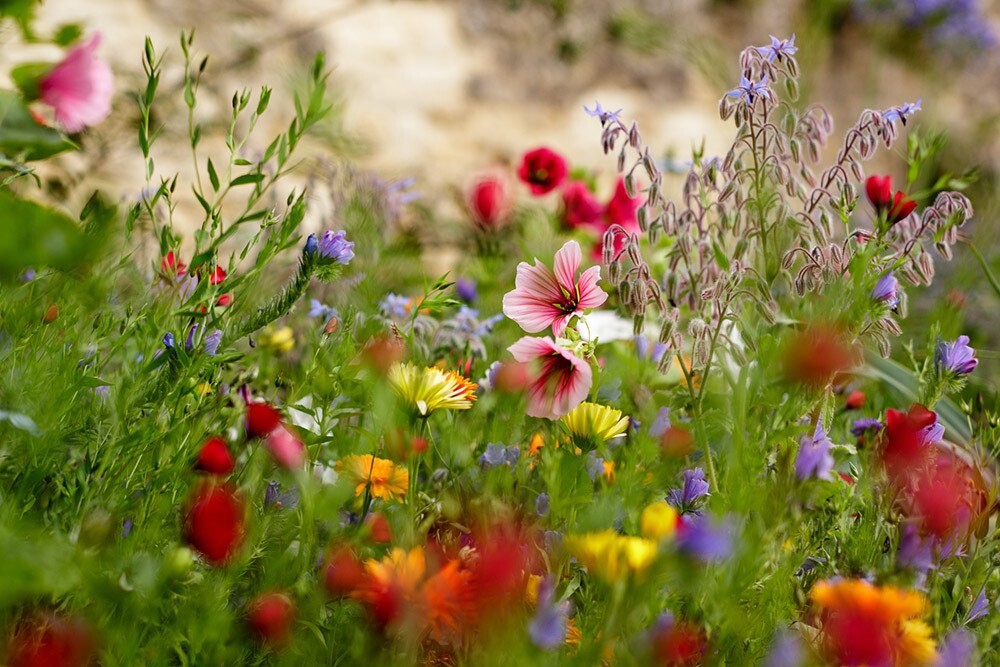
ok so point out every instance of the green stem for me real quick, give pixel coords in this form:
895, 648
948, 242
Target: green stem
283, 302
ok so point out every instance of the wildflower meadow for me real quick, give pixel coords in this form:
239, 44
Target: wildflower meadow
699, 408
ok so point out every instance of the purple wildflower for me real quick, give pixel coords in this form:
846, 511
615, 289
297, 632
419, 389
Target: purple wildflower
661, 424
778, 49
814, 458
319, 309
748, 90
126, 528
186, 284
604, 116
595, 465
498, 455
466, 290
934, 433
703, 538
28, 275
956, 357
957, 650
212, 342
886, 289
542, 504
334, 247
980, 607
394, 305
786, 651
652, 352
548, 627
312, 244
695, 487
862, 426
901, 112
168, 340
189, 343
915, 552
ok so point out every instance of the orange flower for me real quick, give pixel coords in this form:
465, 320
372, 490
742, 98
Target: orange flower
382, 477
447, 599
873, 625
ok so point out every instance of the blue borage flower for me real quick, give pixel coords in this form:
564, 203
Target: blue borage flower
778, 49
748, 90
604, 116
902, 112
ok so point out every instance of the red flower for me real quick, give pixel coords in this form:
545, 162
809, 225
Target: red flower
48, 640
816, 354
895, 207
855, 400
905, 448
580, 206
172, 266
344, 572
270, 618
543, 170
947, 497
217, 276
488, 201
214, 522
224, 300
621, 209
214, 457
380, 530
678, 644
261, 420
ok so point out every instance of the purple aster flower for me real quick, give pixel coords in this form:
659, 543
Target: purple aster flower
334, 247
957, 650
604, 116
212, 342
814, 458
956, 357
319, 309
778, 49
644, 350
786, 651
748, 90
547, 628
661, 424
695, 487
886, 290
168, 340
312, 244
901, 112
703, 538
542, 504
862, 426
979, 608
466, 290
915, 552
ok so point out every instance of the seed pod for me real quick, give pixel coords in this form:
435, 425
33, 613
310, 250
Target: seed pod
696, 327
667, 360
642, 217
891, 326
637, 323
621, 160
669, 327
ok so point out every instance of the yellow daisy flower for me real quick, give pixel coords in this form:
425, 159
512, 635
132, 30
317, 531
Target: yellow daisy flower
590, 420
431, 389
612, 556
384, 478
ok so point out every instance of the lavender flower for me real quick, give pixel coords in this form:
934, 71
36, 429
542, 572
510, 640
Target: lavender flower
957, 650
695, 487
488, 381
212, 342
28, 275
915, 552
595, 466
319, 309
886, 290
814, 458
901, 112
312, 244
395, 306
661, 424
703, 538
547, 628
980, 607
645, 350
786, 651
748, 90
334, 247
934, 433
542, 504
189, 343
126, 528
466, 290
862, 426
778, 49
498, 455
604, 116
956, 357
168, 340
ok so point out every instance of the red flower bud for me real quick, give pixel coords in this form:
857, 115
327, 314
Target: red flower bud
902, 206
214, 457
214, 522
217, 276
261, 420
855, 400
543, 170
879, 191
380, 532
172, 266
488, 201
270, 618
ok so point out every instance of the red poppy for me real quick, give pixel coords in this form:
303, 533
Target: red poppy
262, 419
214, 522
270, 618
543, 170
895, 207
214, 457
580, 206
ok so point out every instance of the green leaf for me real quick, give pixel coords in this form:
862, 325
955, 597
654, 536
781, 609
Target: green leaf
67, 34
27, 78
246, 178
212, 176
23, 12
32, 235
20, 134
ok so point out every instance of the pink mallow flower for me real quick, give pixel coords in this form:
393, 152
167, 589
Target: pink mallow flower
79, 88
286, 449
541, 298
559, 381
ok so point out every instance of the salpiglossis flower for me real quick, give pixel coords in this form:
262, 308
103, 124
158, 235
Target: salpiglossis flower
430, 388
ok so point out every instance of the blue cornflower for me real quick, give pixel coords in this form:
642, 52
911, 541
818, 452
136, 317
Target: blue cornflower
319, 309
902, 112
956, 357
604, 116
334, 247
695, 487
814, 458
779, 48
748, 90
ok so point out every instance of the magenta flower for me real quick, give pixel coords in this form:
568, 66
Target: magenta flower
542, 298
79, 88
560, 380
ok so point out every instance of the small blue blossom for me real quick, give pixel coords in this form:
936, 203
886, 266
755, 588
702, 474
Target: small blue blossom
695, 487
703, 538
901, 112
319, 309
957, 650
542, 504
334, 247
980, 607
499, 455
886, 289
778, 49
126, 528
28, 275
814, 458
395, 306
748, 90
547, 628
168, 340
212, 342
661, 424
645, 349
466, 290
956, 357
189, 343
786, 651
604, 116
312, 244
862, 426
595, 466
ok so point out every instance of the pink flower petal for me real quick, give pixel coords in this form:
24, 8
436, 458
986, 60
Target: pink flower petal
560, 381
566, 264
591, 295
79, 88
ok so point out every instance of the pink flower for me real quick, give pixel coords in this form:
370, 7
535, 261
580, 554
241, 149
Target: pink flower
560, 379
286, 449
79, 88
580, 206
541, 298
621, 209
